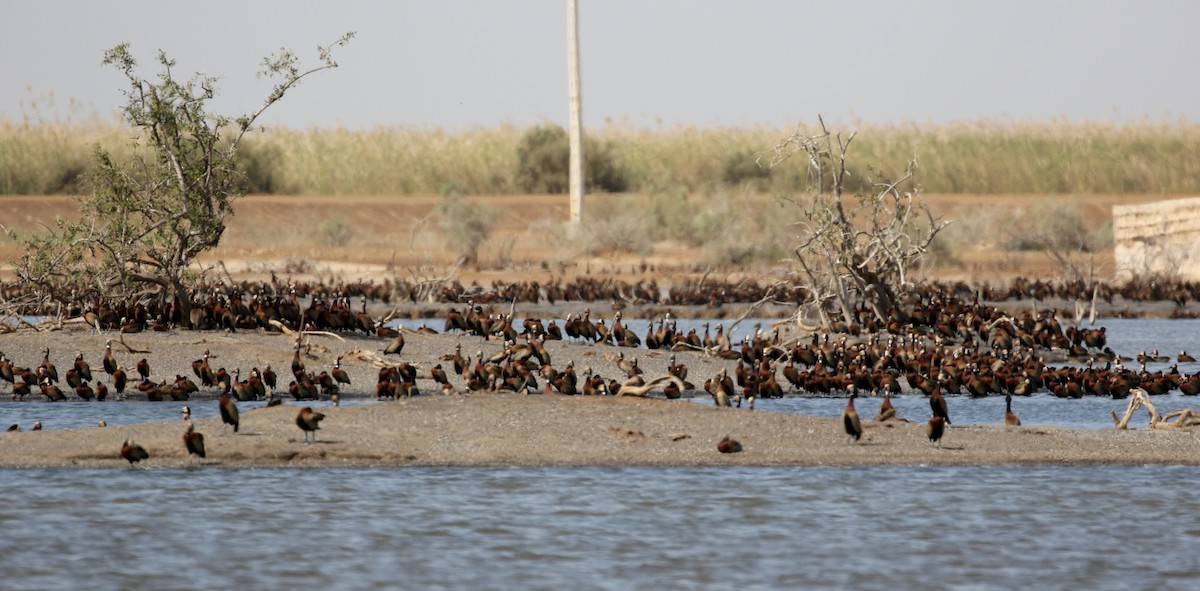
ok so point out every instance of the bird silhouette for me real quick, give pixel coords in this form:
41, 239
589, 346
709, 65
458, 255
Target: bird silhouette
1010, 418
935, 429
887, 412
937, 404
396, 346
132, 452
110, 363
339, 375
850, 419
309, 422
728, 446
193, 441
229, 412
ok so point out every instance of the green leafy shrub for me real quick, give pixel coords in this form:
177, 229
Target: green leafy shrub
743, 167
465, 226
543, 163
336, 232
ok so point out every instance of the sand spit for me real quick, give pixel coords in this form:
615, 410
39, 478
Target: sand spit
487, 429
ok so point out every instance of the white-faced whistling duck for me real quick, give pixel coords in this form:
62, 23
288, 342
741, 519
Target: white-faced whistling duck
132, 452
937, 404
110, 362
119, 381
439, 375
1184, 357
728, 446
229, 411
269, 378
1010, 418
850, 419
297, 363
82, 368
193, 441
887, 412
396, 346
935, 429
49, 370
339, 375
49, 390
309, 421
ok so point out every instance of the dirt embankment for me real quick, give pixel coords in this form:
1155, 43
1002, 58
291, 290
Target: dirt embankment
397, 236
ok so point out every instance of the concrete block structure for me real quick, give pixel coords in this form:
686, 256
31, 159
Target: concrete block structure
1159, 238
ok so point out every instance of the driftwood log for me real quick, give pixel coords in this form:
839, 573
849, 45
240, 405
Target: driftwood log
1139, 398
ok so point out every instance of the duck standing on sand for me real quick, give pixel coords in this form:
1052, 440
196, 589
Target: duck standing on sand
850, 420
309, 421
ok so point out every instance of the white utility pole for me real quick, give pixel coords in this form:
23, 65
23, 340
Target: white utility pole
576, 126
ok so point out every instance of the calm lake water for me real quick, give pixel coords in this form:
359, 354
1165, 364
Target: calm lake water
585, 528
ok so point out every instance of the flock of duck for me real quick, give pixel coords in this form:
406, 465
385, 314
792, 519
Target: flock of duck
254, 304
940, 344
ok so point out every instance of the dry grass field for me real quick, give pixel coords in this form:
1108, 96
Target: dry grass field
377, 237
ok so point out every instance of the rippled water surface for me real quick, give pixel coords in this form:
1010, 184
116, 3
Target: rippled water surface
585, 528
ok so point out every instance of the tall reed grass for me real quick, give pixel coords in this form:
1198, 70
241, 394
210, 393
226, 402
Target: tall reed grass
970, 157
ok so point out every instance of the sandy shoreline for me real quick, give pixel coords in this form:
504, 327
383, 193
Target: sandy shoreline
536, 430
487, 429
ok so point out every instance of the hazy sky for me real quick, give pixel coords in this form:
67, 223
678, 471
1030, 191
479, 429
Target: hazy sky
647, 62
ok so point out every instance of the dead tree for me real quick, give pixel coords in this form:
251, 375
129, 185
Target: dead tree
855, 252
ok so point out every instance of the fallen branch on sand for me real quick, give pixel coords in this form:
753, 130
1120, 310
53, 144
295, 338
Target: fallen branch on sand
652, 384
1140, 398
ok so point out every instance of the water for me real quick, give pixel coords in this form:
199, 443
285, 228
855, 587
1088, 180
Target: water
589, 528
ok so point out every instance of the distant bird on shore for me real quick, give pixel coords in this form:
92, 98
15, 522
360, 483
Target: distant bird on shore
49, 371
229, 411
14, 428
309, 422
49, 389
110, 363
935, 430
887, 412
37, 426
850, 419
297, 363
728, 446
186, 412
1010, 418
193, 441
82, 369
143, 368
439, 375
119, 381
339, 375
269, 378
396, 346
937, 404
132, 452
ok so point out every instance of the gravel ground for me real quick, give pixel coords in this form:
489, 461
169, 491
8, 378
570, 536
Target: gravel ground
487, 429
